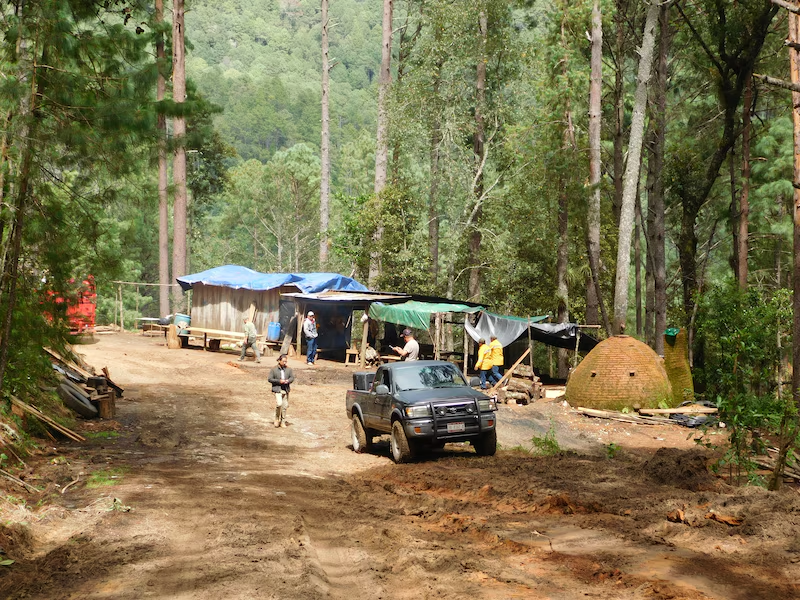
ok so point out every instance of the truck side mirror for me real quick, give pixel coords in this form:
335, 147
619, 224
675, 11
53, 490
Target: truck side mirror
382, 389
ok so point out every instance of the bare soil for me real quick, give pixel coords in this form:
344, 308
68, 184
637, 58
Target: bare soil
210, 501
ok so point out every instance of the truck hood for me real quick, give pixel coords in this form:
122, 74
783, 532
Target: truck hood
429, 394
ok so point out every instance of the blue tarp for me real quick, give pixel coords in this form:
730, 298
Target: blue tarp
236, 277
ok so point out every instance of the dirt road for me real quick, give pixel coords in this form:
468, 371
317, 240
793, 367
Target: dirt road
212, 502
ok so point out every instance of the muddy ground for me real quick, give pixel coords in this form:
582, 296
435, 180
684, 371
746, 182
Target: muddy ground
210, 501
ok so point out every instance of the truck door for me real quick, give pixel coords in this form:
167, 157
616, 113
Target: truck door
383, 402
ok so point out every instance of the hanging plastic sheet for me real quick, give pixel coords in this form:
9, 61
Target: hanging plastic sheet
508, 329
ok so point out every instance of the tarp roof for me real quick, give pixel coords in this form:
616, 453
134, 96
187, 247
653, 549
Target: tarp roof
508, 329
352, 299
237, 277
415, 313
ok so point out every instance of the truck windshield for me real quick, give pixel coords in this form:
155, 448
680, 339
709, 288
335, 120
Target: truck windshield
429, 376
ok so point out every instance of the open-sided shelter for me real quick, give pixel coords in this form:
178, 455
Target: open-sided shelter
223, 295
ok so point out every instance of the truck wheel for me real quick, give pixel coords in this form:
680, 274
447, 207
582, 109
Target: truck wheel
401, 450
358, 435
486, 445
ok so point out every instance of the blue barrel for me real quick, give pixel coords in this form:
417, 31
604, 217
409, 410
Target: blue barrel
182, 321
274, 331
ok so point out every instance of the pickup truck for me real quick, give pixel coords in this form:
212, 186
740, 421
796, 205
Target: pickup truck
422, 405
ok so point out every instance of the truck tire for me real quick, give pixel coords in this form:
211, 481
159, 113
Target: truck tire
77, 403
358, 435
486, 445
401, 449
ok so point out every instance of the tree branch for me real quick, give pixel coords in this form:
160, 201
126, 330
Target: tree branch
781, 83
700, 40
793, 8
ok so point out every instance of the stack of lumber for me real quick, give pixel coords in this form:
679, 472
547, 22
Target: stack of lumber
623, 417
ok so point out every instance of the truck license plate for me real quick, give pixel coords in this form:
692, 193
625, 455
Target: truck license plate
455, 427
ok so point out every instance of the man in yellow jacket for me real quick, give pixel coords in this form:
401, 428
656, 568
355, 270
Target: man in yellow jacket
484, 362
496, 357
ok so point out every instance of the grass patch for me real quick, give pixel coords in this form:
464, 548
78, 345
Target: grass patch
105, 477
101, 435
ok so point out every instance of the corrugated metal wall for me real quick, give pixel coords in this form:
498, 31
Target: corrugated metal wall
216, 307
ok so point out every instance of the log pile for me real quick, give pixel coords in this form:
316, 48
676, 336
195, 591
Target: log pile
522, 385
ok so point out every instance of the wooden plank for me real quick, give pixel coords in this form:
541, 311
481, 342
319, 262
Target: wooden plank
43, 417
681, 410
624, 417
71, 364
508, 373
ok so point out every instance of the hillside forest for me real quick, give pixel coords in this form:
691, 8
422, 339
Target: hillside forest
625, 163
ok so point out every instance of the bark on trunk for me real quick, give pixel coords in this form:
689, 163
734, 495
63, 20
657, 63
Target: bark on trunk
324, 183
382, 144
637, 264
433, 192
562, 265
657, 231
619, 106
478, 148
179, 225
790, 420
593, 292
632, 170
744, 200
163, 200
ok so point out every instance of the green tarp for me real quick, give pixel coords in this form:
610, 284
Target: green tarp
414, 313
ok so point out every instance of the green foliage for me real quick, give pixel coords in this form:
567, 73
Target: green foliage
546, 445
611, 450
740, 333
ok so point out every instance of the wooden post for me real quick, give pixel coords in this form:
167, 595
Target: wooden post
121, 311
437, 335
466, 345
508, 374
299, 309
364, 334
530, 344
577, 344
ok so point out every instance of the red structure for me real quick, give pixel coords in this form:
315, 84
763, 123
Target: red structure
82, 308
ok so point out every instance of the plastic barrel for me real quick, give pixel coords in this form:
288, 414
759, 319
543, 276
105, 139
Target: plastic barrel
182, 321
274, 332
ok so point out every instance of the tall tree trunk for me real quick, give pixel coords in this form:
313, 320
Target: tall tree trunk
637, 264
656, 231
733, 213
179, 224
478, 149
562, 255
163, 201
28, 126
382, 145
324, 183
744, 199
594, 298
791, 422
619, 106
632, 168
433, 197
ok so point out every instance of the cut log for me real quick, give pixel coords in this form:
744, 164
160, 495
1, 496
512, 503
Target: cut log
523, 371
624, 417
520, 385
173, 341
520, 397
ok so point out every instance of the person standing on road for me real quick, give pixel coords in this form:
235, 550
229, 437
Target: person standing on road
484, 362
411, 350
281, 378
497, 359
250, 339
310, 329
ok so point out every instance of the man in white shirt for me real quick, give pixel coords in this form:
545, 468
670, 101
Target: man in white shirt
310, 329
411, 350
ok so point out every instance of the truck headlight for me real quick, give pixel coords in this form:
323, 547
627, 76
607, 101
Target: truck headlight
417, 412
487, 405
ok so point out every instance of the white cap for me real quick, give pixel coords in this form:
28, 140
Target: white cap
311, 313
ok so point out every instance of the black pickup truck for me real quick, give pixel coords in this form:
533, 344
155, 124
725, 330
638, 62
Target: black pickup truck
422, 405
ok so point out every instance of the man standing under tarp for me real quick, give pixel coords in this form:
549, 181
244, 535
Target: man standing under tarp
250, 340
310, 329
496, 354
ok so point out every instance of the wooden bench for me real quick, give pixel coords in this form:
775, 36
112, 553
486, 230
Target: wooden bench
348, 353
